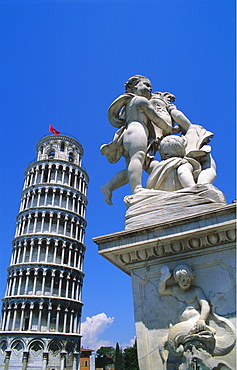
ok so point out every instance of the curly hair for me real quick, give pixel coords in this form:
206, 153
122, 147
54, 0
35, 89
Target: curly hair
133, 81
182, 270
172, 146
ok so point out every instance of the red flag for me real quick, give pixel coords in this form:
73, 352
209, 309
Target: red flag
52, 129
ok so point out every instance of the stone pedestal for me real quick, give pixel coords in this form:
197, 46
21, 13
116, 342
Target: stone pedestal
206, 242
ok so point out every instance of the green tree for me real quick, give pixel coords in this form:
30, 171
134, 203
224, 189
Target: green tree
107, 351
104, 357
130, 358
118, 363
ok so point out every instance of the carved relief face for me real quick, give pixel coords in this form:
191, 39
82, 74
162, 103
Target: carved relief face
184, 282
143, 88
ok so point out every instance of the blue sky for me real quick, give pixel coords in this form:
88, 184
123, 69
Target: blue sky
64, 62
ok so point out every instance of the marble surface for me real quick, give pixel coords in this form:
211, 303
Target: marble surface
206, 242
149, 207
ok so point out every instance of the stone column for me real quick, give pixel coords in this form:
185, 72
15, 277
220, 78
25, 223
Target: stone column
38, 198
28, 223
14, 283
58, 222
57, 318
52, 282
19, 283
63, 358
14, 317
31, 315
63, 252
32, 200
25, 360
24, 252
45, 360
56, 174
22, 226
7, 360
49, 174
43, 282
4, 318
67, 199
73, 287
63, 174
60, 284
8, 290
71, 322
40, 316
13, 254
45, 196
75, 322
67, 285
27, 281
73, 202
42, 222
49, 317
61, 198
65, 320
22, 316
38, 250
8, 317
75, 360
31, 250
47, 250
50, 221
35, 281
65, 225
53, 197
35, 222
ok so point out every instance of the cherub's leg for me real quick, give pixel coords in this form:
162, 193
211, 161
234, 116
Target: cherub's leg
135, 170
185, 175
118, 180
135, 144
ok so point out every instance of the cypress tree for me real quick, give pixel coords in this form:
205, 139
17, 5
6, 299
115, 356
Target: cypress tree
118, 364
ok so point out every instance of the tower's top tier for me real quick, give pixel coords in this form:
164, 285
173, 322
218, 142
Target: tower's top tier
60, 147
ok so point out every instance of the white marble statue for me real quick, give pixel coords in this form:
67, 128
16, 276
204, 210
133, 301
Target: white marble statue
136, 118
193, 331
195, 140
144, 120
175, 171
196, 308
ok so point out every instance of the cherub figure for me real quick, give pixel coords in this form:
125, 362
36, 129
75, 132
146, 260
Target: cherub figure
175, 171
192, 339
196, 307
135, 117
196, 140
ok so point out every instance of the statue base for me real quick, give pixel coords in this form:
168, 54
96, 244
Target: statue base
205, 241
149, 207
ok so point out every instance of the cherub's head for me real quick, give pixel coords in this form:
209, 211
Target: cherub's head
139, 85
172, 146
183, 275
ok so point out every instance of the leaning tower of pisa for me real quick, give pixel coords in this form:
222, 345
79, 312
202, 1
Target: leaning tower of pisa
41, 309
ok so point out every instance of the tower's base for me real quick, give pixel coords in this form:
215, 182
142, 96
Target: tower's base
38, 351
204, 241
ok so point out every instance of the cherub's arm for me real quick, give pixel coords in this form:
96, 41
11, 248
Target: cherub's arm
179, 118
205, 309
166, 274
146, 107
208, 173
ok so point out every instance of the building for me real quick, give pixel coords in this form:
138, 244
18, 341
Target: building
87, 359
41, 309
